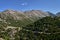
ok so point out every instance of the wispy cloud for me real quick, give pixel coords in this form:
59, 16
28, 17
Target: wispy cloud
24, 4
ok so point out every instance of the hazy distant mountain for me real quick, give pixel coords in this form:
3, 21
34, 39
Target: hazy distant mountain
58, 14
51, 14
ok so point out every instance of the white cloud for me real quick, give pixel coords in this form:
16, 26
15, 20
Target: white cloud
23, 4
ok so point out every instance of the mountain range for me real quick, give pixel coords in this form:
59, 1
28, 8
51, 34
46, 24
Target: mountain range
24, 18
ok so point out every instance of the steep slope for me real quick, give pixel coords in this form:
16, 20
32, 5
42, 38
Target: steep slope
16, 15
14, 18
36, 13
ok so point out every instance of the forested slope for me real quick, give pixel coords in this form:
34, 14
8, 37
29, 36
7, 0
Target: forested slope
47, 28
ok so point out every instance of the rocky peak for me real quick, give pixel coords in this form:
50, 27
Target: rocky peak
35, 13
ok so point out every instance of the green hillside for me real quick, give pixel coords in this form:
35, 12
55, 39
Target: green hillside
47, 28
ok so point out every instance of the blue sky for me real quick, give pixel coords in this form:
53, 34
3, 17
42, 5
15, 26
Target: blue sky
45, 5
